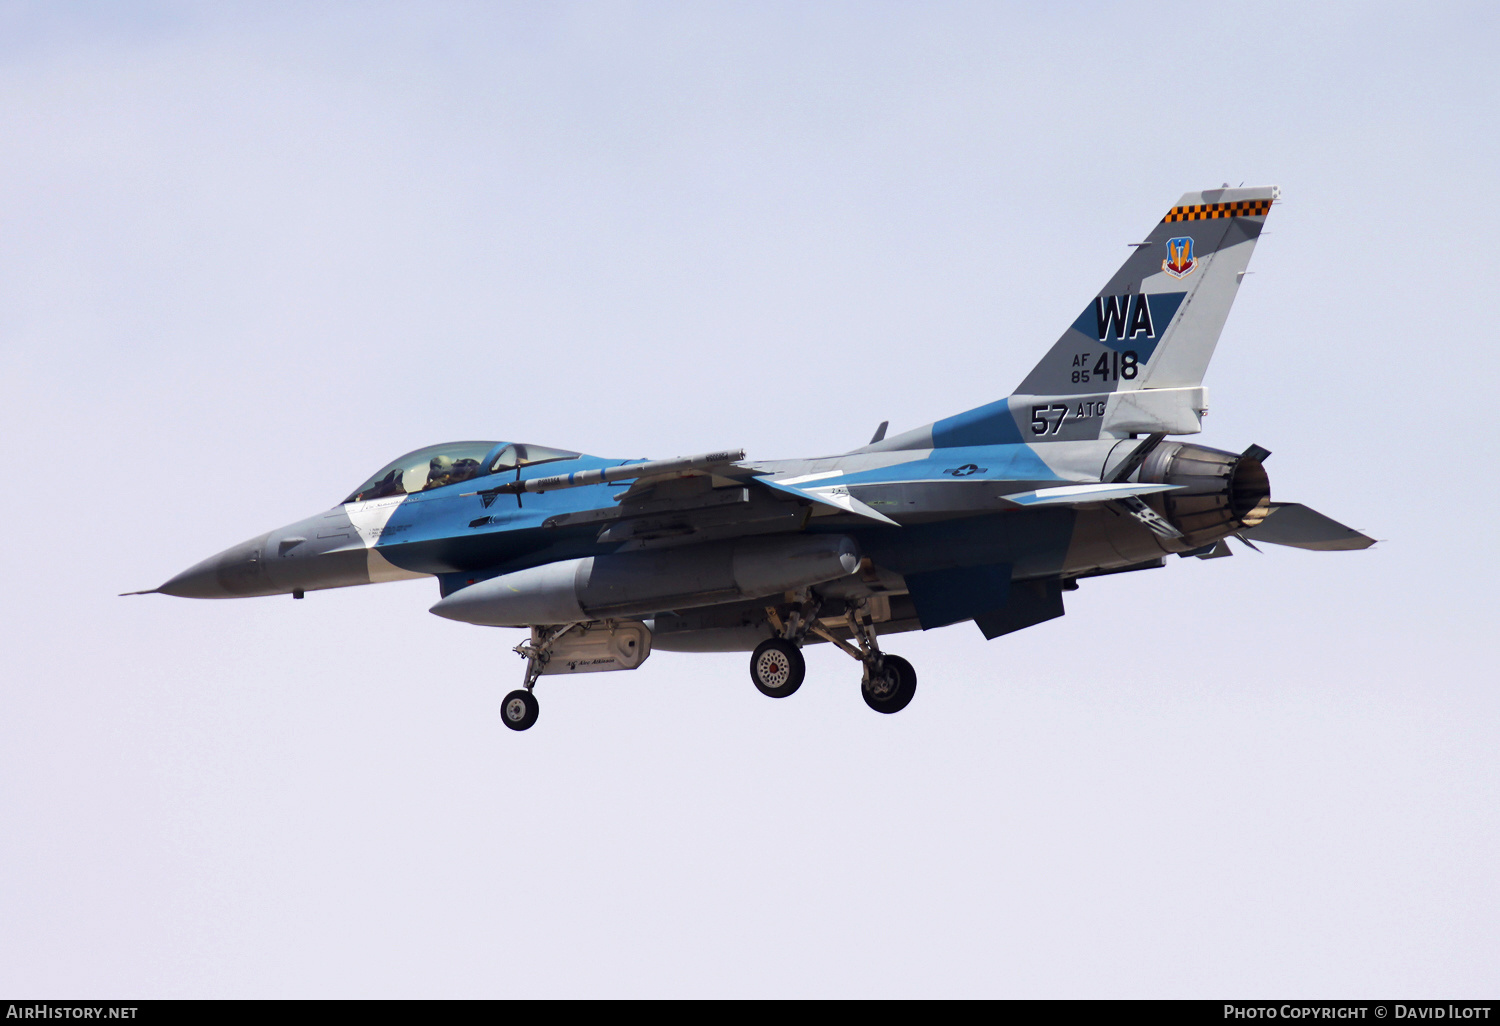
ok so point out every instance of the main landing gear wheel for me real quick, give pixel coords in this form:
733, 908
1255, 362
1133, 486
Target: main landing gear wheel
520, 710
891, 688
777, 667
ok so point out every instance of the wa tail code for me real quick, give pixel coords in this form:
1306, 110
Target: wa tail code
1125, 316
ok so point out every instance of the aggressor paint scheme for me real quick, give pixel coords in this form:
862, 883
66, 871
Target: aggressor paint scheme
989, 515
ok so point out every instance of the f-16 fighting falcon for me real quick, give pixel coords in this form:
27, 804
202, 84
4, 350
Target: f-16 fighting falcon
989, 516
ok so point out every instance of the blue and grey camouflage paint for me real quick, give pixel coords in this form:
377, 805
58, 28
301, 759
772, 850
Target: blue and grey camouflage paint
988, 515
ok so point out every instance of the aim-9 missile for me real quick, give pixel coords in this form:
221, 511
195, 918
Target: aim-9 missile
604, 475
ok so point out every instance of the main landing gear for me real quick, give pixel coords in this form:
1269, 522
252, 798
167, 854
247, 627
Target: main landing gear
777, 666
891, 687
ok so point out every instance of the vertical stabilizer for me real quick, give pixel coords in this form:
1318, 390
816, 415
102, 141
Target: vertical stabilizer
1155, 323
1132, 362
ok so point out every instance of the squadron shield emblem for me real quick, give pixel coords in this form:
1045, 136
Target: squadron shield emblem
1179, 262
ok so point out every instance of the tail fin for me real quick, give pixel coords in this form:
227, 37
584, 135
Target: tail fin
1155, 324
1133, 361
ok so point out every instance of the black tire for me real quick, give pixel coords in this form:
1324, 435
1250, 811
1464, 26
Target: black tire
777, 667
895, 687
519, 710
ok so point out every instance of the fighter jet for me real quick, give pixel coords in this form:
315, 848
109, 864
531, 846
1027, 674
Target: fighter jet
989, 516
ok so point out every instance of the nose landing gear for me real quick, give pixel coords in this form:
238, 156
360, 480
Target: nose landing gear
519, 710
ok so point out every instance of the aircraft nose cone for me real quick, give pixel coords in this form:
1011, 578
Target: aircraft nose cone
201, 580
233, 573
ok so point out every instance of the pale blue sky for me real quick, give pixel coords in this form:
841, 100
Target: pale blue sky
248, 253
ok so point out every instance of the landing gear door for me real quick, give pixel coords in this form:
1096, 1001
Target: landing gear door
597, 648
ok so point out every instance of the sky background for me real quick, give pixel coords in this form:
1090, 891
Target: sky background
251, 252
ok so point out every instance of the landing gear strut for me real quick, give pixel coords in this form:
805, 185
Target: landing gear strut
776, 665
889, 682
520, 709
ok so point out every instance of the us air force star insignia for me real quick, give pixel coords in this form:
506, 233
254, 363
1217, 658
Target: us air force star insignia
966, 470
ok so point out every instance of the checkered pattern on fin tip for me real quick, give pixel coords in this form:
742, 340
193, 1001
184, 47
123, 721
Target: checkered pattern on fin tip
1209, 211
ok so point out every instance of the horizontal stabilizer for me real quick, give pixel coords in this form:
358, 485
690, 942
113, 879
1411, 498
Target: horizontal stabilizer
1291, 523
1075, 495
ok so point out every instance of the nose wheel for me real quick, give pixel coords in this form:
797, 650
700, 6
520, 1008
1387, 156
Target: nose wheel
519, 710
777, 667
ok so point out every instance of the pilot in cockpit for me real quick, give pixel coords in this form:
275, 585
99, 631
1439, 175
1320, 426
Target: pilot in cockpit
444, 470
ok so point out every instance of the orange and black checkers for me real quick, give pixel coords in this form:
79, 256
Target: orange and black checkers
1208, 211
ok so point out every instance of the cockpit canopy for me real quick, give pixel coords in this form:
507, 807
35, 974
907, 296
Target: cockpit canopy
450, 463
522, 454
